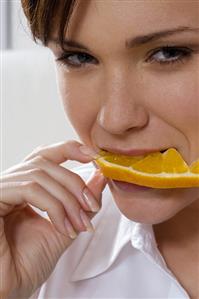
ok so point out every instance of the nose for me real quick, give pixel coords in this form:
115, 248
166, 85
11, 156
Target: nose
122, 108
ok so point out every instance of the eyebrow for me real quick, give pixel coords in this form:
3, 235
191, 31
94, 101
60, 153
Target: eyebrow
143, 39
136, 41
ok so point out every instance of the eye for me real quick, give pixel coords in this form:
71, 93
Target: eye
169, 55
75, 59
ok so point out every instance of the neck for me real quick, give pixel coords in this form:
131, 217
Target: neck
178, 242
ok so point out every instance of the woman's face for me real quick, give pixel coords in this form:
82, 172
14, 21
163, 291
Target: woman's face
129, 90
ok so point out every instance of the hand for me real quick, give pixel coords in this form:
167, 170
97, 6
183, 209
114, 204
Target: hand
30, 245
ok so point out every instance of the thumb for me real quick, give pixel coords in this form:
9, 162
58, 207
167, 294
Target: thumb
96, 184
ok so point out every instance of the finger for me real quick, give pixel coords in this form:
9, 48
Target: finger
61, 152
96, 184
16, 193
69, 201
68, 179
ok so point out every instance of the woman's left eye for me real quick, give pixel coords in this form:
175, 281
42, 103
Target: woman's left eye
75, 59
169, 55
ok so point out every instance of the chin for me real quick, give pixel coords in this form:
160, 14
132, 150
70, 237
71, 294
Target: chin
155, 205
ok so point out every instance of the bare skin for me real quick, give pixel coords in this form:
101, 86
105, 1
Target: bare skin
131, 103
128, 100
178, 242
31, 244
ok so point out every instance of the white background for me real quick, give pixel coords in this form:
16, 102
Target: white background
31, 111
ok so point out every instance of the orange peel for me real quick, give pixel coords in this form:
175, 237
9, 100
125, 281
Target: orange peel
156, 170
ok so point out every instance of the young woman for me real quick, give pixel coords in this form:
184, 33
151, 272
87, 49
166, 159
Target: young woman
128, 76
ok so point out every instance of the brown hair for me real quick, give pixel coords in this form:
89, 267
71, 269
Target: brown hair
43, 14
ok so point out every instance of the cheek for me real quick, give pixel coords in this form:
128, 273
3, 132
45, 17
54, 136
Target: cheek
176, 100
78, 102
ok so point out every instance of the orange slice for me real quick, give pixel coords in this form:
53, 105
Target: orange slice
156, 170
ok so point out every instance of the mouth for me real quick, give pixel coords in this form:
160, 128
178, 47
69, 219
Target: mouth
128, 187
133, 152
159, 169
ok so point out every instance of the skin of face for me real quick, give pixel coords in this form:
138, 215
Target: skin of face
121, 100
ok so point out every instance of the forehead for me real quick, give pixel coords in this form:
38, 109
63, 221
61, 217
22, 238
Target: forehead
115, 19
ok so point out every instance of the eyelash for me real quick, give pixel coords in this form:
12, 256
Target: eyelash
182, 54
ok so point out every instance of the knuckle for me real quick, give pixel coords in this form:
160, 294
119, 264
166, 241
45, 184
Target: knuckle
31, 187
72, 143
38, 149
36, 172
38, 160
56, 207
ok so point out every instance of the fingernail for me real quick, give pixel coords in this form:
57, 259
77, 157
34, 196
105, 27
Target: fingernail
98, 176
88, 151
86, 221
69, 228
90, 200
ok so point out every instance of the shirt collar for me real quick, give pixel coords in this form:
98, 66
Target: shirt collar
112, 232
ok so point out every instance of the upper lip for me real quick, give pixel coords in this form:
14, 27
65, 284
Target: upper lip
132, 152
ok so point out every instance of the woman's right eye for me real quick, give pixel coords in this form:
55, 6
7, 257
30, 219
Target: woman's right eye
75, 59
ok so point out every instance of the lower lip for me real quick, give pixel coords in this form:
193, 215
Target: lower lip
128, 187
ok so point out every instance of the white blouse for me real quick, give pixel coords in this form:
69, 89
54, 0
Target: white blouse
119, 260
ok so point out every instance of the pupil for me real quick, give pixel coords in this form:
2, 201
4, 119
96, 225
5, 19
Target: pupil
170, 53
82, 57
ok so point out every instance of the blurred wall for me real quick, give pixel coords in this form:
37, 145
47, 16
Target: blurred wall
31, 112
20, 35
